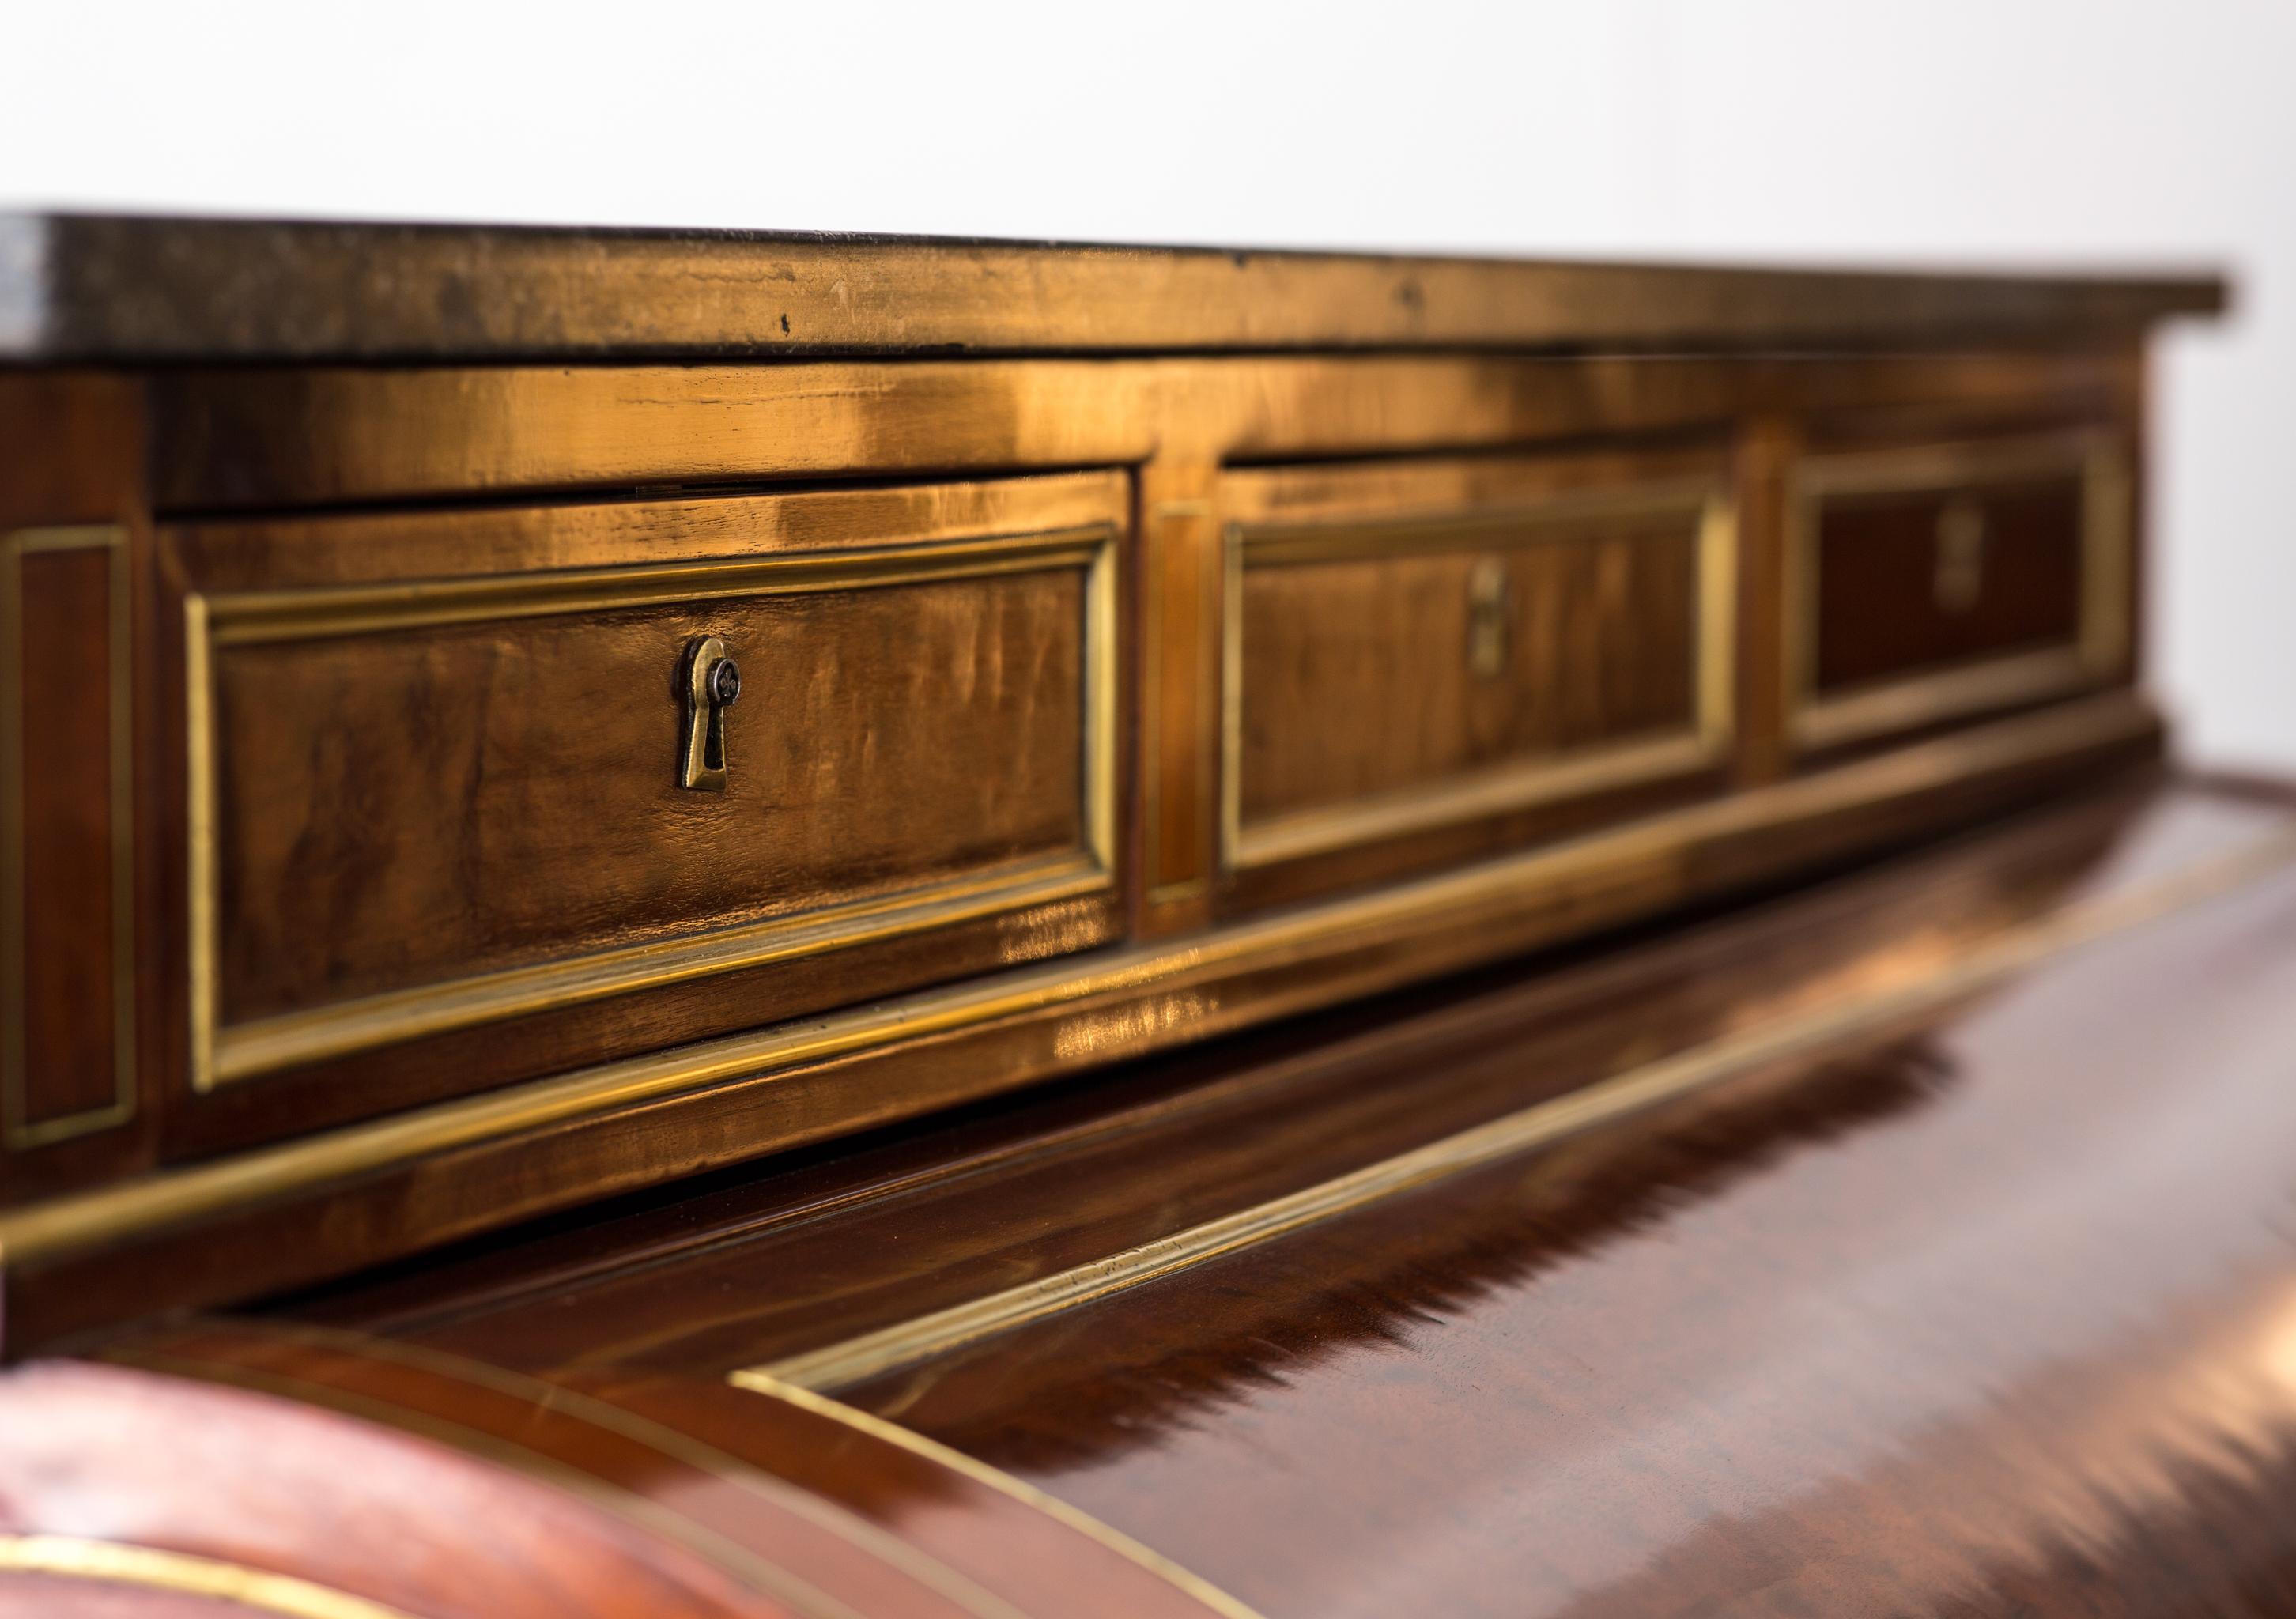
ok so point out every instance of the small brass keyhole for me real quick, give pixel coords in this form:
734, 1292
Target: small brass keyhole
1960, 576
1486, 618
712, 684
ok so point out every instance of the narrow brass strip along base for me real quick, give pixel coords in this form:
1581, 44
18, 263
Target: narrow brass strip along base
763, 1382
1906, 705
115, 1563
1489, 896
1581, 773
908, 1343
295, 1039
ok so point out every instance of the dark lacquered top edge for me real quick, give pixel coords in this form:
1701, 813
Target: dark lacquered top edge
77, 288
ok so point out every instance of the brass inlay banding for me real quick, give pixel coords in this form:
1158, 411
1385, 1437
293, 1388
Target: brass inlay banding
1503, 788
117, 1563
910, 1343
19, 1131
2098, 653
760, 1381
222, 1054
81, 1222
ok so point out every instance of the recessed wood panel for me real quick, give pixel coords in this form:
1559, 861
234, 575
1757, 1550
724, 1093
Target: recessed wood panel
1938, 581
1388, 676
67, 1057
428, 806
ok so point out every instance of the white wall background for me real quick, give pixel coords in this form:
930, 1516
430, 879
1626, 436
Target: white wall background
1961, 132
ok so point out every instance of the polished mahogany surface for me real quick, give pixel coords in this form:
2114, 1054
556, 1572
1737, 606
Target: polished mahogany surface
1977, 1303
1381, 934
1999, 1315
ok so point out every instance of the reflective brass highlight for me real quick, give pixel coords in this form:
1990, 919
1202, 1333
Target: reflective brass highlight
761, 1381
117, 1563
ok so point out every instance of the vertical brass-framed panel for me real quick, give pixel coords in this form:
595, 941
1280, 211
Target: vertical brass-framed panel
1705, 742
2097, 653
223, 1054
19, 1129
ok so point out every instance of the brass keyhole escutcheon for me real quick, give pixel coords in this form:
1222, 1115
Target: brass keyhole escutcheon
1486, 618
712, 684
1960, 576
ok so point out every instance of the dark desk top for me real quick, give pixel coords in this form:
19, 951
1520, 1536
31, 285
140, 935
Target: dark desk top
85, 288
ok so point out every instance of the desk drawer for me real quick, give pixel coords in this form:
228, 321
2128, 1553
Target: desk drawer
1937, 581
442, 779
1424, 679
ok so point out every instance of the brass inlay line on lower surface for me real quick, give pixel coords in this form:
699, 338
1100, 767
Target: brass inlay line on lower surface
39, 1233
763, 1382
908, 1343
65, 1557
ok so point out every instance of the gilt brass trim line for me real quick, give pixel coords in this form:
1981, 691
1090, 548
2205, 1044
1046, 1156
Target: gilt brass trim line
19, 1132
1505, 788
251, 618
906, 1343
117, 1563
223, 1054
1909, 705
1193, 1584
267, 1045
1575, 774
57, 1228
2098, 652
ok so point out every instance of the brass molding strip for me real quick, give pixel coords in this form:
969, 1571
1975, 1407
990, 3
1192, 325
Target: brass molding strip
222, 1053
266, 1045
81, 1222
117, 1563
2098, 652
1497, 790
256, 617
18, 1131
924, 1338
1193, 1584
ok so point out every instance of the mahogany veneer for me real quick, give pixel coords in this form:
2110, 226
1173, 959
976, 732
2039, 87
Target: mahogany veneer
498, 725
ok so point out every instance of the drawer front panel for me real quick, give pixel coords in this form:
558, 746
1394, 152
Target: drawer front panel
1384, 679
421, 807
1937, 582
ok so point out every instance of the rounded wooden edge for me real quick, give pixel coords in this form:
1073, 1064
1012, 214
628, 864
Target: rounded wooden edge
852, 1515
